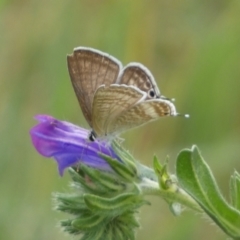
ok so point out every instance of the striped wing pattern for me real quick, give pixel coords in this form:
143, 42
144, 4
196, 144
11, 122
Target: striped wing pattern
137, 75
140, 114
114, 99
88, 70
110, 102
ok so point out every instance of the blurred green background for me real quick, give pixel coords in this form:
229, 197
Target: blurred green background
192, 49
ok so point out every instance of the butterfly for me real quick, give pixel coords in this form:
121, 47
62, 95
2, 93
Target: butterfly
114, 98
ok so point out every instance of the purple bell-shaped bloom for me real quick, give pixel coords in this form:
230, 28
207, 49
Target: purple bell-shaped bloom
68, 144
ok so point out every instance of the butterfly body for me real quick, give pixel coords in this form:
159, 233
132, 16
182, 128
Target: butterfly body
114, 99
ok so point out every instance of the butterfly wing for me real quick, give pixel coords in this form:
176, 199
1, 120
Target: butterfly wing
109, 102
134, 100
135, 74
141, 113
88, 69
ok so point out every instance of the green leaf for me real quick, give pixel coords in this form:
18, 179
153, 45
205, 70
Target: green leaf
161, 171
196, 178
235, 189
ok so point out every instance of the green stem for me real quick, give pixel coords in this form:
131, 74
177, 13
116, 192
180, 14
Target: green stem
173, 194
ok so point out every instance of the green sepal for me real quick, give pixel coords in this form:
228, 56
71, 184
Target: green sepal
121, 152
80, 179
126, 173
98, 233
67, 227
125, 156
96, 181
105, 203
73, 204
235, 189
127, 232
113, 206
157, 166
196, 178
100, 217
128, 217
104, 181
118, 233
88, 221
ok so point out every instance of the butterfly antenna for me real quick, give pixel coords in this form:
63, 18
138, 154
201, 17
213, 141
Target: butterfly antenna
168, 99
182, 115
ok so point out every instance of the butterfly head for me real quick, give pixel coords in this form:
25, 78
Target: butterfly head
92, 136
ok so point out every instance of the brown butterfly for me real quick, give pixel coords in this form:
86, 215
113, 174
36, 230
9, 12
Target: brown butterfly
114, 98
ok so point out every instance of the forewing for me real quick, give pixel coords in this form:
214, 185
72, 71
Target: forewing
135, 74
88, 69
142, 113
109, 102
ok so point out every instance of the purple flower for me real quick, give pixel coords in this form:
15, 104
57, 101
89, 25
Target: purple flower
68, 144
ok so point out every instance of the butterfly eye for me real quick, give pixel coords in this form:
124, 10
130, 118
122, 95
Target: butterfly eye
151, 93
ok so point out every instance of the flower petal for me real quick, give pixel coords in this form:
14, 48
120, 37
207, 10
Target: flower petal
68, 144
